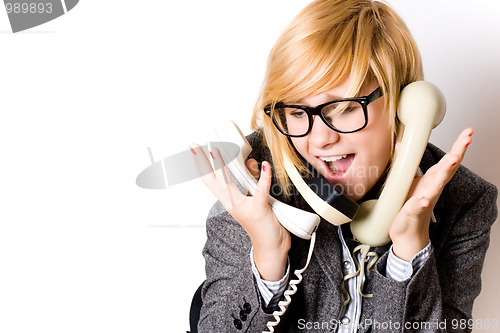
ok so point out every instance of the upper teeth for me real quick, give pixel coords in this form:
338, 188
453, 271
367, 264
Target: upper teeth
333, 158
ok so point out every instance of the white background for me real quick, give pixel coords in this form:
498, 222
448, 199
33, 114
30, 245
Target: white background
82, 248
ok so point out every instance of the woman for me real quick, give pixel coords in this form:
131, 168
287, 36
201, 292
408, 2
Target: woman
427, 278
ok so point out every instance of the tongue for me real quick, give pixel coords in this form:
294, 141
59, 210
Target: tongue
343, 164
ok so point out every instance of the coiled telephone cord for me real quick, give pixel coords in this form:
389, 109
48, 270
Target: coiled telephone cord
365, 253
292, 289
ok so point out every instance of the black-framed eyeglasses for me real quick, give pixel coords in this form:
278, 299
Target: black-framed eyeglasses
346, 115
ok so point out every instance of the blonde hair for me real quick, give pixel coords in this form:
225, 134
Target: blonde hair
326, 43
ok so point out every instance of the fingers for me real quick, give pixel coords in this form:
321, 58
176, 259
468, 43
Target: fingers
264, 184
410, 230
450, 162
460, 146
202, 163
207, 173
219, 165
217, 181
221, 171
432, 183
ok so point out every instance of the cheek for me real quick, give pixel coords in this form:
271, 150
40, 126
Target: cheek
380, 161
301, 146
374, 154
380, 152
379, 137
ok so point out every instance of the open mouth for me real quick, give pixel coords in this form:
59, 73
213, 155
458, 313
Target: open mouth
338, 164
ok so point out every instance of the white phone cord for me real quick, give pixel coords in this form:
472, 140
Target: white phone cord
292, 289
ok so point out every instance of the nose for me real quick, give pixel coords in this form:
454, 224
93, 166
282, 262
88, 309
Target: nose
322, 136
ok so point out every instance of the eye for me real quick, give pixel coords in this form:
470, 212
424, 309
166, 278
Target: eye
296, 113
349, 109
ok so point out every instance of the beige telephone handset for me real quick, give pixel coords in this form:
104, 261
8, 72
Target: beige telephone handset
421, 108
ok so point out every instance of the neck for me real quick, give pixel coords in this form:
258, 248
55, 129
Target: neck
376, 189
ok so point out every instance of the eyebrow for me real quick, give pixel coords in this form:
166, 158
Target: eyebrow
333, 97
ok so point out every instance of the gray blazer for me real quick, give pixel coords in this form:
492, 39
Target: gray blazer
438, 294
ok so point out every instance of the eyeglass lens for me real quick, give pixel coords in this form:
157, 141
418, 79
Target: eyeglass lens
344, 116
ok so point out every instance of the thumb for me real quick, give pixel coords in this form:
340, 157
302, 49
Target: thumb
264, 184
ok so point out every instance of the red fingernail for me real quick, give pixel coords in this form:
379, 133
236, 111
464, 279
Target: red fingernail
467, 145
192, 150
212, 156
263, 167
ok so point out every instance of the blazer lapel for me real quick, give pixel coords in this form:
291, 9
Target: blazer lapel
328, 253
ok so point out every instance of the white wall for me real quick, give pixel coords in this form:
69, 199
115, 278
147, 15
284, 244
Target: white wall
82, 248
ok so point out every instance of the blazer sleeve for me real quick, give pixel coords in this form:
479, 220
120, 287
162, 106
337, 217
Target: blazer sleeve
440, 294
231, 301
461, 259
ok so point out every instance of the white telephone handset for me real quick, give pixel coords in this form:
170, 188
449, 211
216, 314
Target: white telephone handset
421, 108
297, 221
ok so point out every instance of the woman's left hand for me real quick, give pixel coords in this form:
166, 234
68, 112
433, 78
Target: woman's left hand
410, 230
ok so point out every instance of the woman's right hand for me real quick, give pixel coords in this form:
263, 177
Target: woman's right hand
270, 240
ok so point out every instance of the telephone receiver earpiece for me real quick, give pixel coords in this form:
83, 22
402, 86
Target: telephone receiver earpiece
421, 108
